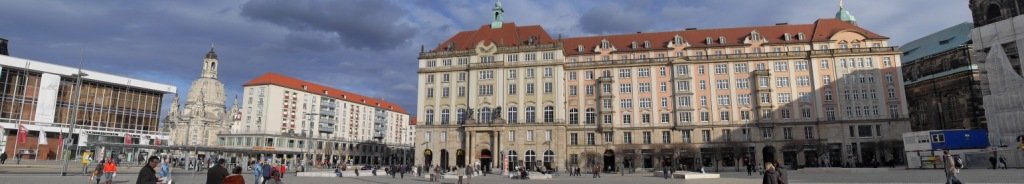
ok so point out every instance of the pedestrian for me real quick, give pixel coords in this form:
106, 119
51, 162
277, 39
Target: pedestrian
147, 175
257, 174
267, 171
17, 158
85, 161
597, 171
356, 170
275, 177
217, 173
402, 170
109, 171
952, 167
97, 173
3, 158
235, 177
1002, 162
337, 172
664, 168
750, 168
284, 169
992, 161
771, 176
783, 178
165, 171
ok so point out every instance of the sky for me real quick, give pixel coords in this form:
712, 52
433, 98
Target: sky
370, 47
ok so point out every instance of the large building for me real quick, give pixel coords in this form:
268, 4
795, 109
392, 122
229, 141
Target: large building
998, 45
205, 114
290, 117
829, 92
37, 99
943, 82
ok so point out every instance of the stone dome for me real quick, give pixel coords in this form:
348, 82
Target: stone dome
206, 91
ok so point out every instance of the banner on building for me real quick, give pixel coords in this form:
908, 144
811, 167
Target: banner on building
42, 137
47, 102
22, 134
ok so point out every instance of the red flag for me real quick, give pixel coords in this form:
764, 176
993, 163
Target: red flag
127, 139
22, 134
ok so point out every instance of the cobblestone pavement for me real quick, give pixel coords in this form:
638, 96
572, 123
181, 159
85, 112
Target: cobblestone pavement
894, 176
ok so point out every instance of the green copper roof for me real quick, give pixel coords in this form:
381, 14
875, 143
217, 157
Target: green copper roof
845, 16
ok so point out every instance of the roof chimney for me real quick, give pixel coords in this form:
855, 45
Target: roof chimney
691, 28
782, 23
638, 32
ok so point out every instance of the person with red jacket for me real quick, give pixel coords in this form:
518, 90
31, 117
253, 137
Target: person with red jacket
109, 171
283, 168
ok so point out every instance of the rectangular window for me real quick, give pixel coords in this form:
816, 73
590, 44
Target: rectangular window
573, 139
723, 100
721, 68
512, 136
572, 90
722, 84
686, 136
742, 83
766, 133
645, 87
706, 135
529, 135
787, 133
666, 137
624, 73
626, 119
647, 137
741, 68
625, 88
608, 136
548, 72
548, 87
590, 138
664, 117
727, 135
724, 115
627, 137
643, 72
511, 89
782, 81
808, 132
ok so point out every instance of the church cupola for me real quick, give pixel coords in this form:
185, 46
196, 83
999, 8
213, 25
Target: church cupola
210, 64
845, 15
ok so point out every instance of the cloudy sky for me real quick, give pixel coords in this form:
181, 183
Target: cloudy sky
370, 46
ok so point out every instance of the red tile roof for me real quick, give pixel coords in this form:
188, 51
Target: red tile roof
412, 121
820, 30
297, 84
508, 35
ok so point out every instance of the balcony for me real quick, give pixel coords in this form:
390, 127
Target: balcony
613, 63
443, 69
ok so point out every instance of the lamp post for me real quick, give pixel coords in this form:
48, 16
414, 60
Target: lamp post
309, 140
74, 115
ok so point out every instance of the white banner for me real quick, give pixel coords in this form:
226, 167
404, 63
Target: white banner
42, 137
47, 104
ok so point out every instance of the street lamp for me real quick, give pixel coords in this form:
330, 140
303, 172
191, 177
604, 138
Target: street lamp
74, 115
308, 136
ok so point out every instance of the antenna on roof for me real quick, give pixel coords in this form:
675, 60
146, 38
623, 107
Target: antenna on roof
421, 48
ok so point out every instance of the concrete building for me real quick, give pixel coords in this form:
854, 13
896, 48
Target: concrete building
943, 82
301, 120
38, 99
205, 114
829, 92
998, 44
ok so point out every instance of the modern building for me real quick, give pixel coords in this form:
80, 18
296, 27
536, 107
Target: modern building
943, 82
998, 45
39, 100
829, 92
300, 120
205, 114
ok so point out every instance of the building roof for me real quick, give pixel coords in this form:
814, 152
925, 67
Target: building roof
65, 71
938, 42
508, 35
820, 30
412, 121
271, 78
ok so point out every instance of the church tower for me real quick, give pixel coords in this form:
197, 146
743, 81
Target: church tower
210, 64
204, 114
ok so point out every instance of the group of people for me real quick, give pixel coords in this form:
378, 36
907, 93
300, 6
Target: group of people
106, 170
267, 171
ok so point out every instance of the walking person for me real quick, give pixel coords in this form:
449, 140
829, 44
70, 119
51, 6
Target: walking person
664, 168
952, 167
597, 171
3, 158
109, 171
275, 177
147, 175
165, 172
1002, 162
992, 161
97, 173
217, 173
750, 167
257, 168
771, 176
267, 171
235, 177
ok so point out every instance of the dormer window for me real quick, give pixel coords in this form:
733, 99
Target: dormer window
579, 48
451, 46
325, 92
532, 40
605, 44
800, 36
647, 44
304, 87
754, 35
786, 37
721, 40
677, 40
707, 40
634, 45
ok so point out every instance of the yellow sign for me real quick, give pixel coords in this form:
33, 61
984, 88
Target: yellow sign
85, 157
263, 148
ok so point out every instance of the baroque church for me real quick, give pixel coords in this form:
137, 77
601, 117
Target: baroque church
205, 114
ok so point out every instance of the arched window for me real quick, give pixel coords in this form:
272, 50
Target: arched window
513, 117
462, 116
549, 158
549, 114
591, 117
531, 160
512, 159
531, 114
444, 116
574, 116
430, 116
485, 115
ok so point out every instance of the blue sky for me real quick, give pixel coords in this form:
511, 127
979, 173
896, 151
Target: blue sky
370, 46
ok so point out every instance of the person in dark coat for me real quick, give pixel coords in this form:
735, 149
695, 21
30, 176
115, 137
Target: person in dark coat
147, 175
217, 173
3, 158
771, 176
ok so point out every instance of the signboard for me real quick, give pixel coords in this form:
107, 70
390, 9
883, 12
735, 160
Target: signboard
504, 166
263, 148
47, 102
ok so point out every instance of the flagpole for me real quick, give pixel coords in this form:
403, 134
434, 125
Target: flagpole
17, 141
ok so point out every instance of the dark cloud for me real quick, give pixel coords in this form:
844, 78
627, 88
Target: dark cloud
364, 24
612, 18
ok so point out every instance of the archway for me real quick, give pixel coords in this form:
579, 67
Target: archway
531, 160
460, 158
512, 159
768, 153
609, 160
485, 160
428, 157
444, 158
549, 157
